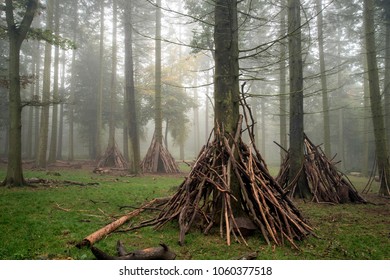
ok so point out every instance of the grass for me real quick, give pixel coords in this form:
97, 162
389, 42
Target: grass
47, 222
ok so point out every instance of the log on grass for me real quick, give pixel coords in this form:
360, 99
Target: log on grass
99, 234
161, 252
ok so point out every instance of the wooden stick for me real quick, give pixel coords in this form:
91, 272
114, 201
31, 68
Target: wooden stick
99, 234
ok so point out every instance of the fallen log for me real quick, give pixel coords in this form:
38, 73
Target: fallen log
99, 234
161, 252
51, 182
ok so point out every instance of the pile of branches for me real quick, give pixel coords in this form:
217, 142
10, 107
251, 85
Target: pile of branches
205, 199
158, 159
113, 158
326, 183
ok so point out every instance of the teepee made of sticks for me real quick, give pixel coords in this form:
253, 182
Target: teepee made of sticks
112, 158
158, 159
327, 184
204, 199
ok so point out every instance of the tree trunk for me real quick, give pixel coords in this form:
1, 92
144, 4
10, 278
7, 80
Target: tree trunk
196, 117
341, 142
282, 85
158, 110
226, 80
226, 88
37, 97
324, 86
375, 99
166, 133
14, 170
114, 61
207, 114
387, 72
181, 151
367, 128
99, 102
56, 97
72, 88
44, 127
296, 99
61, 118
104, 231
131, 115
158, 158
263, 127
16, 37
30, 118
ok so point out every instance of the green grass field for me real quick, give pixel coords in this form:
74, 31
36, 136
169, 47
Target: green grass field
46, 222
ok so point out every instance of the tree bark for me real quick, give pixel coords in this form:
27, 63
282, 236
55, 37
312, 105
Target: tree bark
44, 127
324, 86
158, 110
72, 88
114, 61
341, 142
282, 84
16, 35
99, 103
30, 119
99, 234
296, 99
367, 128
226, 88
196, 117
226, 82
375, 99
37, 97
61, 117
387, 71
56, 97
131, 108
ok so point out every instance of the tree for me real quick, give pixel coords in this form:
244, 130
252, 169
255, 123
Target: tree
375, 99
296, 98
56, 97
114, 61
61, 117
131, 118
158, 110
44, 124
113, 156
99, 104
71, 108
386, 88
158, 158
282, 82
324, 86
226, 87
17, 32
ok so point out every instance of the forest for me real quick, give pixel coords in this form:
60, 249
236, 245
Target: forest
240, 115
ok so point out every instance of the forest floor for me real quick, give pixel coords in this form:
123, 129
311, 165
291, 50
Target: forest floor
47, 220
